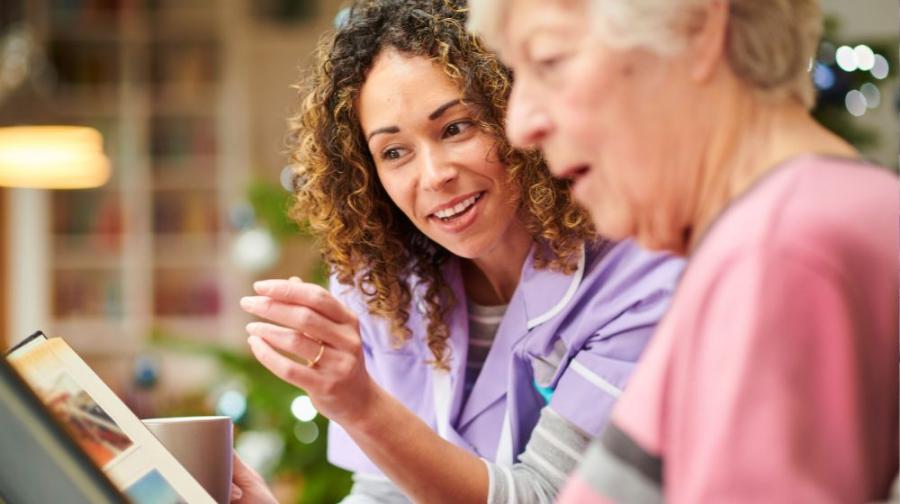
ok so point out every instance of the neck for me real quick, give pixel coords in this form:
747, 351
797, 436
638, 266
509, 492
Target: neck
752, 138
492, 278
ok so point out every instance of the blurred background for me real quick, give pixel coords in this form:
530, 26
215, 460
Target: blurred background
142, 275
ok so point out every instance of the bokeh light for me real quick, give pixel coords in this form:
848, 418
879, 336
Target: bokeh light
865, 57
855, 102
232, 403
823, 77
255, 249
302, 408
880, 68
846, 58
306, 432
872, 95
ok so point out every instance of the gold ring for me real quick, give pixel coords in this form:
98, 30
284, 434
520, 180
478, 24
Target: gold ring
312, 363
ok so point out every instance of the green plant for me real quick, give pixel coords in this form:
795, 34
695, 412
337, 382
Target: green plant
270, 204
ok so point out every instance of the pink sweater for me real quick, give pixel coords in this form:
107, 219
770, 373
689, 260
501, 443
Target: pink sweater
774, 376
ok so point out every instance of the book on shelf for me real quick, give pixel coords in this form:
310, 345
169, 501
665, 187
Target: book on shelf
108, 434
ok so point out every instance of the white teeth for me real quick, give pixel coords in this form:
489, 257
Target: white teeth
457, 209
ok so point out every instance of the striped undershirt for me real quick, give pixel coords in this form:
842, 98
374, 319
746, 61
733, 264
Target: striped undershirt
483, 324
555, 448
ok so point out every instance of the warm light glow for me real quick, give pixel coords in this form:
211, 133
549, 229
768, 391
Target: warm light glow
52, 157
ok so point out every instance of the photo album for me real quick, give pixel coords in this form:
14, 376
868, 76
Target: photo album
104, 428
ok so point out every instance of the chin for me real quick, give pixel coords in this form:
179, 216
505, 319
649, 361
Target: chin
461, 249
466, 252
650, 242
612, 226
659, 242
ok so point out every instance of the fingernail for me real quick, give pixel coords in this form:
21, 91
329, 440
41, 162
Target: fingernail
296, 279
263, 285
252, 326
249, 302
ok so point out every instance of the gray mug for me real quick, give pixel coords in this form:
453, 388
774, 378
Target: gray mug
203, 445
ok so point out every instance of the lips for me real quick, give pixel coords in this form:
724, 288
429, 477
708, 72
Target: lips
576, 174
458, 214
456, 207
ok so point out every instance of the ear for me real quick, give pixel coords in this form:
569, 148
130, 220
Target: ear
707, 32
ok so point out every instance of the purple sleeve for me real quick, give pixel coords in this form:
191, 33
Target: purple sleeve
342, 450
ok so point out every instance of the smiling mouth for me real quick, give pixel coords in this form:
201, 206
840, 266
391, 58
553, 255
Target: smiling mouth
576, 172
458, 210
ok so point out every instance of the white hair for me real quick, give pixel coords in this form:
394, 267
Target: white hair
769, 43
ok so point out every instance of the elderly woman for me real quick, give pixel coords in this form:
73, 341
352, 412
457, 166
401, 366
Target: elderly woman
685, 123
473, 313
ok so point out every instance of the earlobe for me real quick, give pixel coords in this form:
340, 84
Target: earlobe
707, 32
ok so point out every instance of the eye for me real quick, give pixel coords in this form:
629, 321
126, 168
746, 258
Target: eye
392, 153
548, 64
457, 128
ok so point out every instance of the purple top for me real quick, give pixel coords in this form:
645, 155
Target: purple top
576, 337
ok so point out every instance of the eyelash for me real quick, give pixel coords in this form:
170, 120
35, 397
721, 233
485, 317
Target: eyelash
546, 65
386, 155
468, 123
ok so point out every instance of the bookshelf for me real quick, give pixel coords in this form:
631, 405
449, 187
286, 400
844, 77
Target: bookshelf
162, 80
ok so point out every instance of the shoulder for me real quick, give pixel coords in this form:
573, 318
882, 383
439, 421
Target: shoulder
813, 240
348, 294
624, 274
622, 288
375, 330
834, 214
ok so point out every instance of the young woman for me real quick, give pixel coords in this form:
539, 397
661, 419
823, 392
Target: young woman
686, 124
476, 332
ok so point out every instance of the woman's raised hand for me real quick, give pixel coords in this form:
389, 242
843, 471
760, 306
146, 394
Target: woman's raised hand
313, 342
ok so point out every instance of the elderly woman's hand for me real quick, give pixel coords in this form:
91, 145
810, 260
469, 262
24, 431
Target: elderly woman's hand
314, 344
247, 486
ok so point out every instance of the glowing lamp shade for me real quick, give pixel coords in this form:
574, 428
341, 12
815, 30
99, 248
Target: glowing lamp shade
52, 157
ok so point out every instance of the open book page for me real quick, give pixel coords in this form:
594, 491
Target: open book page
103, 425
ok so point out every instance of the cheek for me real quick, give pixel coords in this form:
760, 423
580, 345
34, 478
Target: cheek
586, 107
400, 191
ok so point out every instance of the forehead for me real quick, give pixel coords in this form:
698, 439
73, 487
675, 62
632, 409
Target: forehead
525, 18
403, 87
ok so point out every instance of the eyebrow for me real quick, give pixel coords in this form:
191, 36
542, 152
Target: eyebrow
438, 112
386, 129
443, 108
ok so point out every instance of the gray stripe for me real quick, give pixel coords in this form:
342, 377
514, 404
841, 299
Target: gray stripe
485, 310
369, 490
621, 446
615, 480
544, 466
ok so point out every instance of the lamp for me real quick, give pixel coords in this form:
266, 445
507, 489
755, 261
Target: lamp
46, 157
52, 157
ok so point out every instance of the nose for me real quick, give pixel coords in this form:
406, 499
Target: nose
437, 171
527, 125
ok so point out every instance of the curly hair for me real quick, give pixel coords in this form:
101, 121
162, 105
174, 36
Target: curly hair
364, 238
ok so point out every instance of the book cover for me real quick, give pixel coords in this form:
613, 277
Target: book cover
102, 425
